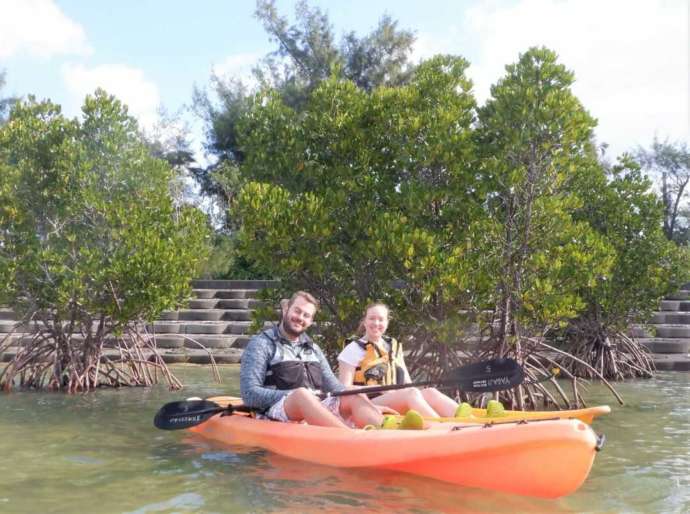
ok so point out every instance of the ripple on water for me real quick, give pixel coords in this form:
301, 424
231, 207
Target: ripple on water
84, 459
189, 502
226, 457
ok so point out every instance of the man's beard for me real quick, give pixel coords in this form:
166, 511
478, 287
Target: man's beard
289, 332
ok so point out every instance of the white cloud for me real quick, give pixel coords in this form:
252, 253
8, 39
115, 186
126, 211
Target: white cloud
128, 84
630, 58
239, 67
427, 45
39, 28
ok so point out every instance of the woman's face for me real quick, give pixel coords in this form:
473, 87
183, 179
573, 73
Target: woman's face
376, 322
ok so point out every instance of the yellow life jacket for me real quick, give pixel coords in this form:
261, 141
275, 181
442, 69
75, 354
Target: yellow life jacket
380, 367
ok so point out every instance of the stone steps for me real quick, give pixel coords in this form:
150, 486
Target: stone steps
7, 326
220, 303
218, 317
214, 315
220, 312
7, 314
210, 341
199, 327
229, 294
670, 318
665, 345
174, 356
672, 362
233, 284
167, 341
667, 336
674, 305
672, 331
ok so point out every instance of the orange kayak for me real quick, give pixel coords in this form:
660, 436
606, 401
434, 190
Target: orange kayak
586, 414
545, 458
480, 415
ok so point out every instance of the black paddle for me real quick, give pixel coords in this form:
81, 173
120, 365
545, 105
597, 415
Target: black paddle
480, 377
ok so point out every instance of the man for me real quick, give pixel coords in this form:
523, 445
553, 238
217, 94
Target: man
282, 367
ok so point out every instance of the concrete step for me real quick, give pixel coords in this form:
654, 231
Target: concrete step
221, 327
683, 294
218, 303
670, 317
671, 362
215, 315
672, 331
7, 314
7, 326
668, 305
175, 356
166, 341
666, 345
20, 339
199, 327
211, 341
203, 303
248, 303
206, 294
189, 356
237, 294
675, 305
233, 284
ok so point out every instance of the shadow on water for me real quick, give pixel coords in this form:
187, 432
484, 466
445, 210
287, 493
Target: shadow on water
99, 453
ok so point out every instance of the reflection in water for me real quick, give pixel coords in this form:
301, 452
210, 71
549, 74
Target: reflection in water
99, 453
288, 485
324, 489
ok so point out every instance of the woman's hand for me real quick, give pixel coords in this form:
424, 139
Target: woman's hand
387, 410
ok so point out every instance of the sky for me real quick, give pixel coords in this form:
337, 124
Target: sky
630, 57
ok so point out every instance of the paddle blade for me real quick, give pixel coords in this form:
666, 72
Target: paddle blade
487, 376
185, 414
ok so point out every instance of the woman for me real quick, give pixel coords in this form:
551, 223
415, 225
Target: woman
376, 359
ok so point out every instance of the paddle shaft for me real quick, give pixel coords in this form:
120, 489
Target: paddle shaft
393, 387
382, 389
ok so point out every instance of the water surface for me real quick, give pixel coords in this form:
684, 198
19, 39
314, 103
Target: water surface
99, 453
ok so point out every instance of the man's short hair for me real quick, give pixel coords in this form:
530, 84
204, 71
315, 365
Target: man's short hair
305, 296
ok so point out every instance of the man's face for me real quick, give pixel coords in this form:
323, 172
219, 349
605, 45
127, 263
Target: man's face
299, 317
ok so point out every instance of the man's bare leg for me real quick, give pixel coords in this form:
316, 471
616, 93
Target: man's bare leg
302, 404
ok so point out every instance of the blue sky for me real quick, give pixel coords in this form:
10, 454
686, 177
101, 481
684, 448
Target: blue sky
630, 57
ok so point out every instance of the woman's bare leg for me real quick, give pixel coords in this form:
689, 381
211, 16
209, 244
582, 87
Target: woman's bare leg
403, 400
441, 403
